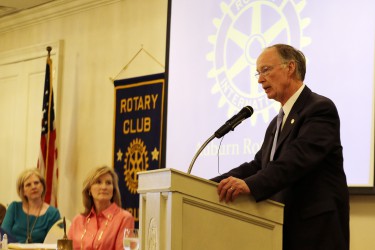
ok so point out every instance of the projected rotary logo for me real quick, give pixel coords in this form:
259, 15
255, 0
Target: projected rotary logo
136, 160
243, 30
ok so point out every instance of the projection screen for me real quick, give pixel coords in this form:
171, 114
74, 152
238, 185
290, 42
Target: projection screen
213, 46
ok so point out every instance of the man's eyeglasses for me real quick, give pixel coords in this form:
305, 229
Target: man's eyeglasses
266, 70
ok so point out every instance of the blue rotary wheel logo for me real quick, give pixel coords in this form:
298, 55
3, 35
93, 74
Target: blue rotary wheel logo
243, 30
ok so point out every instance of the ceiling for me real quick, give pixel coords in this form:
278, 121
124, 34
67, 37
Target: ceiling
9, 7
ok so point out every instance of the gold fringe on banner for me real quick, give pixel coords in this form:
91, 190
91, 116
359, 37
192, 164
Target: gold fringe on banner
131, 60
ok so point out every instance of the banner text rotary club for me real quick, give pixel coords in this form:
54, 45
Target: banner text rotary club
137, 103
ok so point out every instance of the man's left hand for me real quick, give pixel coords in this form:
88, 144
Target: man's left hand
230, 188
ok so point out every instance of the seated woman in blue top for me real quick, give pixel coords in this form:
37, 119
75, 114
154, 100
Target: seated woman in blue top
29, 220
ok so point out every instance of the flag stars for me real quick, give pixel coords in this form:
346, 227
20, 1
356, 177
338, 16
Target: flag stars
119, 155
155, 154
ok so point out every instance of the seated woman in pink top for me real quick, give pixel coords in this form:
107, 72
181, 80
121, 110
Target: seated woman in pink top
101, 226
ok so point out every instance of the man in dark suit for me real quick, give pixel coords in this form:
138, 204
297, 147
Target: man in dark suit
305, 169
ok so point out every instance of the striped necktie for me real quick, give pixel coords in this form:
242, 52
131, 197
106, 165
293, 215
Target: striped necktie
280, 117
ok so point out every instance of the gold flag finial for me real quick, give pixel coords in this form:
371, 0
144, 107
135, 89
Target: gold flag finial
49, 48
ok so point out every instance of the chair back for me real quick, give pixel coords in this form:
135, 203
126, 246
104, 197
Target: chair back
57, 231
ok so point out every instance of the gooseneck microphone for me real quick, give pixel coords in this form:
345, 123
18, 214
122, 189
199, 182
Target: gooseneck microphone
233, 122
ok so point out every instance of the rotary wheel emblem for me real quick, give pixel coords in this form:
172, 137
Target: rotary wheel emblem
242, 32
136, 160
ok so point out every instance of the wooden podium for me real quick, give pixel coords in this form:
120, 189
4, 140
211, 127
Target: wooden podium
182, 212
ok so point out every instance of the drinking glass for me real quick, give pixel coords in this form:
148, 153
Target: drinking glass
131, 240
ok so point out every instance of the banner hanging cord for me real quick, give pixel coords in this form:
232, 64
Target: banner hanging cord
131, 60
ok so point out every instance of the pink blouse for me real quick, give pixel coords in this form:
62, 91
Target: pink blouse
103, 231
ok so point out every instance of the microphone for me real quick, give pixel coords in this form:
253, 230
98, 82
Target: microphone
245, 113
233, 122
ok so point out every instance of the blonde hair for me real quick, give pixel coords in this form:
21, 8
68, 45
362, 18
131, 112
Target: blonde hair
23, 177
94, 175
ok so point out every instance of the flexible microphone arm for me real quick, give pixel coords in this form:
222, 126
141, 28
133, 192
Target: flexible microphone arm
199, 151
233, 122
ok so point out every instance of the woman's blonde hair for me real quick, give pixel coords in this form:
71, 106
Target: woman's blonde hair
87, 199
23, 177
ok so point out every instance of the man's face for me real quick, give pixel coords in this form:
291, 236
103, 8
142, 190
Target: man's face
273, 75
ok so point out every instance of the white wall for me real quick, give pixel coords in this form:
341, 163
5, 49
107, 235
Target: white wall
362, 222
98, 39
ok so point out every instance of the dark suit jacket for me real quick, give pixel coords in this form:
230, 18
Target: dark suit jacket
306, 175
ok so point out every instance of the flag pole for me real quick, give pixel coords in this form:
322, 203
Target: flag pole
46, 168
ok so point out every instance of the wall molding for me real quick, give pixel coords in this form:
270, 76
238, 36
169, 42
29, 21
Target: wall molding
49, 11
30, 53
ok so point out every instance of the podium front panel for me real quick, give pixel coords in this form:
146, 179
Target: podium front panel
180, 211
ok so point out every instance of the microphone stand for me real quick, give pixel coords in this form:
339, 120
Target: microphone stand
199, 151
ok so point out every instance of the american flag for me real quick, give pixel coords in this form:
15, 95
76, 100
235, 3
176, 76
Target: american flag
47, 162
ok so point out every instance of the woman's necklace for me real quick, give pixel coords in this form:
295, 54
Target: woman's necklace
100, 234
29, 239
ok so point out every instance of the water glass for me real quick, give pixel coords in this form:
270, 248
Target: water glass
131, 240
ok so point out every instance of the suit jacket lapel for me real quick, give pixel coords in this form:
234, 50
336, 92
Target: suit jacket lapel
293, 116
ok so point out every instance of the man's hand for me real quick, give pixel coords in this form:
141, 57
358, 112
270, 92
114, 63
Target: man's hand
230, 188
